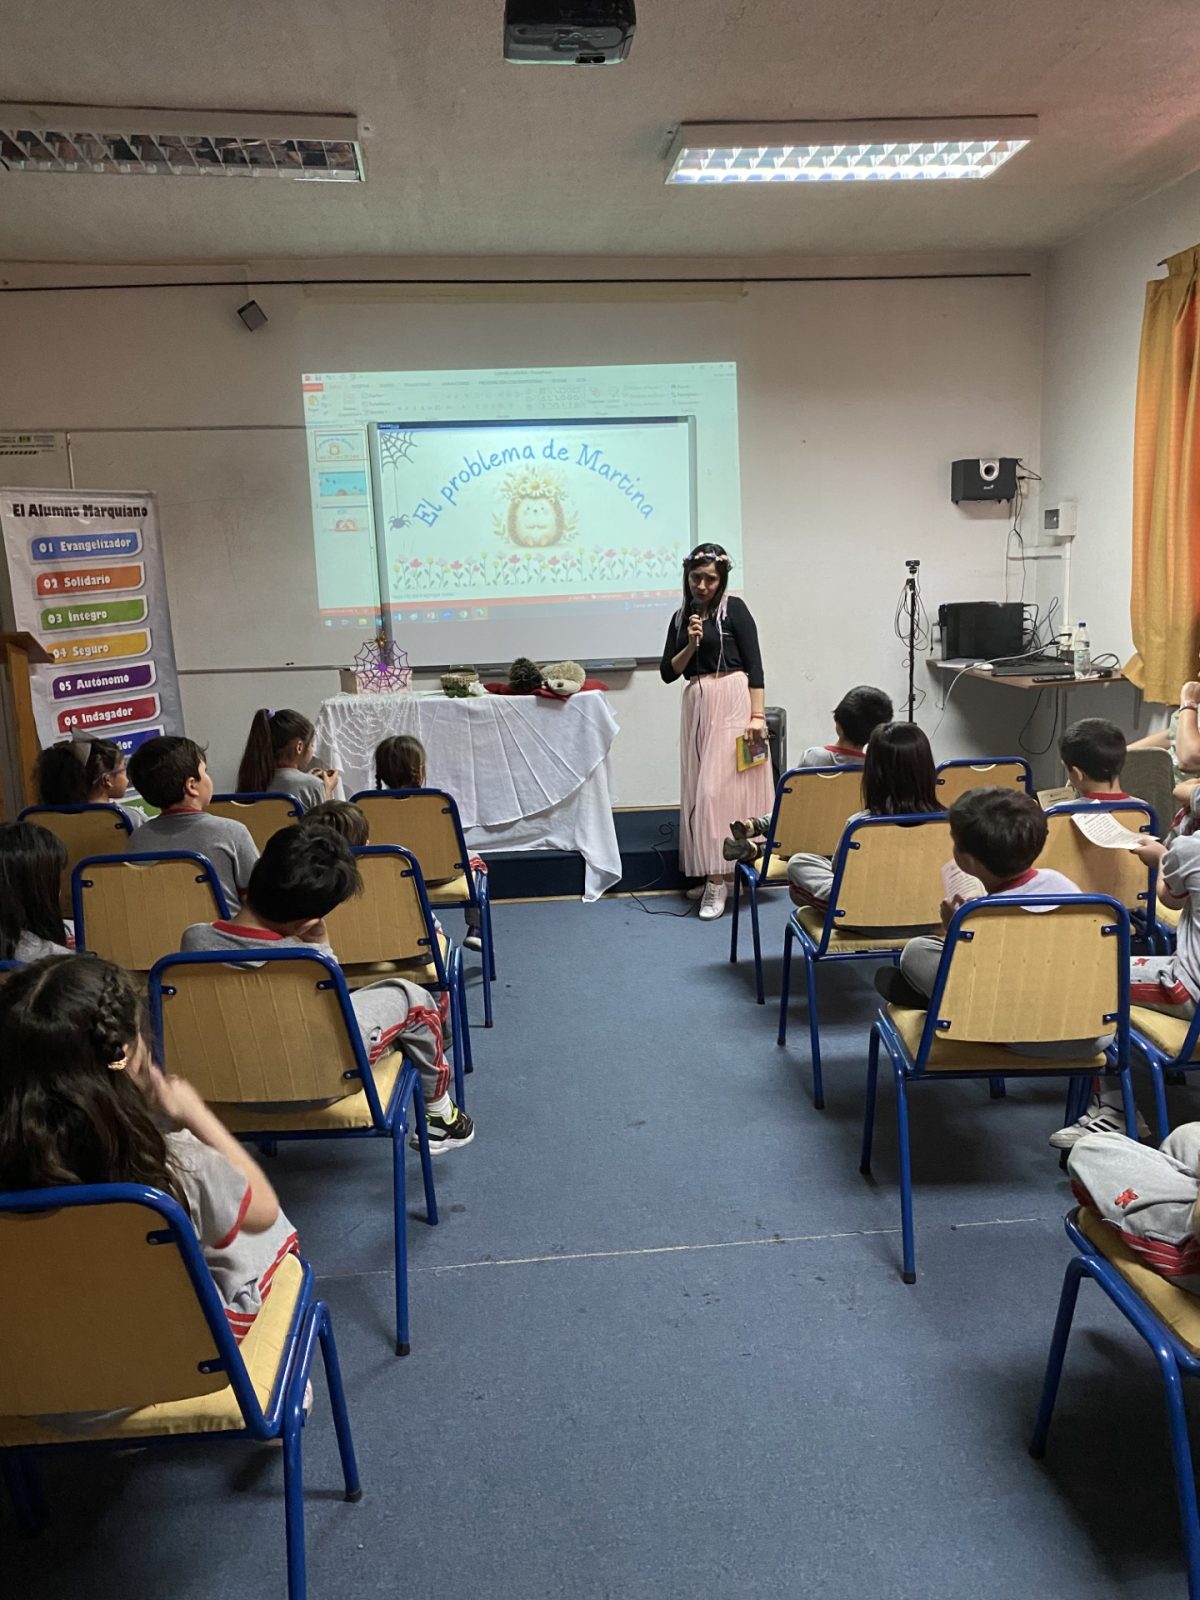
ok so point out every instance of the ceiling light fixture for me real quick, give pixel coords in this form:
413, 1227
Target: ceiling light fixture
914, 149
176, 144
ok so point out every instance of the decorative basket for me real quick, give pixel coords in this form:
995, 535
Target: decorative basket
456, 684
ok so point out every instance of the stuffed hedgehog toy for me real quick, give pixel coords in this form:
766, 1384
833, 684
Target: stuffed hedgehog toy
524, 677
563, 678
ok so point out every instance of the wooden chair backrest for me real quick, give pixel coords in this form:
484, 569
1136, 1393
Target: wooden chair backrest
893, 876
265, 1033
263, 817
1033, 976
420, 821
386, 922
814, 804
1091, 867
135, 910
954, 781
101, 1318
93, 831
1149, 775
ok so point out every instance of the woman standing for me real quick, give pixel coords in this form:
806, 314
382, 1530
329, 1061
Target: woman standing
713, 643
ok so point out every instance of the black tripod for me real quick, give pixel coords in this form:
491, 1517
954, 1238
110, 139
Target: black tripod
910, 606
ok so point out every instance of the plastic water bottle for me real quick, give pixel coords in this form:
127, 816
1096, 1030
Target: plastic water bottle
1082, 652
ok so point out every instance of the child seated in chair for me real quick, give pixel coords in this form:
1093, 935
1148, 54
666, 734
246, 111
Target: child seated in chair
1151, 1198
1170, 984
1093, 752
84, 772
172, 774
82, 1102
31, 868
898, 780
400, 764
343, 816
301, 876
998, 835
857, 714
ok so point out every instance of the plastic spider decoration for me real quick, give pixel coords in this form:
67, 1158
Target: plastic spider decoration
381, 667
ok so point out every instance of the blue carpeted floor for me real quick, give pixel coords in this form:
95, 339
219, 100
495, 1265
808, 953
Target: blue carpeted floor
660, 1344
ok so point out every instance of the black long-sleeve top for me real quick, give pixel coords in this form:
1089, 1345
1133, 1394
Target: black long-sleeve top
733, 649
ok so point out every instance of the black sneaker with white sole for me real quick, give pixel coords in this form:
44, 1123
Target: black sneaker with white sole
447, 1134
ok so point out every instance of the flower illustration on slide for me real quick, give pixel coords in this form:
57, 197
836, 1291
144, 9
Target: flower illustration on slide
436, 575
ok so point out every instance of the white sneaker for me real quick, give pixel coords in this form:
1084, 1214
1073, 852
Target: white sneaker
472, 941
712, 901
1100, 1117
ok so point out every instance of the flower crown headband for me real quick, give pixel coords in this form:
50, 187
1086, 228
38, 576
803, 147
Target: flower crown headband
702, 556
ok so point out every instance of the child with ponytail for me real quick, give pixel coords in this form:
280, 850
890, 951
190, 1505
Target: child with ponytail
278, 758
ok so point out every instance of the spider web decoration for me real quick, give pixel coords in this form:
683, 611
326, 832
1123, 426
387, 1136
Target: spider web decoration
381, 667
396, 447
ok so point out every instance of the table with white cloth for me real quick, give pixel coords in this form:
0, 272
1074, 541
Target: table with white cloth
527, 773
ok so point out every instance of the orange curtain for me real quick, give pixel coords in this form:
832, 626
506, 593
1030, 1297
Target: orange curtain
1165, 597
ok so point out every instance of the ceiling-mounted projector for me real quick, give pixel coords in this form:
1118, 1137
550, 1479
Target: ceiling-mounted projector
571, 33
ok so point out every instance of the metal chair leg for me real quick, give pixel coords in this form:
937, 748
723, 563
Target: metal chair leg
814, 1031
997, 1088
1162, 1121
293, 1503
909, 1272
1058, 1349
422, 1129
864, 1160
785, 983
337, 1405
400, 1232
759, 992
735, 913
1181, 1454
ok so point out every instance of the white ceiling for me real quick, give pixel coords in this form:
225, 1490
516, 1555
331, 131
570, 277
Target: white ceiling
472, 157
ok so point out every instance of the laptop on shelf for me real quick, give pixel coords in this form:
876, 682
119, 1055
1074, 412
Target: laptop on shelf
1042, 667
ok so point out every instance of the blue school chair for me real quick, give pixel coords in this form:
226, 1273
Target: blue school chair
1166, 1317
811, 807
87, 830
886, 877
133, 909
91, 1266
389, 931
426, 821
216, 1018
1008, 975
958, 777
262, 814
1168, 1046
1098, 870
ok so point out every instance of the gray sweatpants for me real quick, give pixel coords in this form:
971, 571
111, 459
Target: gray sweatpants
393, 1007
919, 962
1149, 1195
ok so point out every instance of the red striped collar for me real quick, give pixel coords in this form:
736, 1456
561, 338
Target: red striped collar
1017, 882
182, 811
843, 750
259, 935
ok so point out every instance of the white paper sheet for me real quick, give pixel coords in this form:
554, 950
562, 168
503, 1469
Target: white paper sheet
957, 884
1103, 828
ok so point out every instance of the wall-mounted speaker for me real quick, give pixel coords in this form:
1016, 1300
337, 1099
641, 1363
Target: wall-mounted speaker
983, 478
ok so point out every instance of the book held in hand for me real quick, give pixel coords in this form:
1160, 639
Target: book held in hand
750, 752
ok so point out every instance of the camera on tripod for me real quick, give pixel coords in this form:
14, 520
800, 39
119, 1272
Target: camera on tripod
912, 565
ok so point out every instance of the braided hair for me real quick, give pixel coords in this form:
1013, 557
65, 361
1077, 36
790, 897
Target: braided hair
70, 1112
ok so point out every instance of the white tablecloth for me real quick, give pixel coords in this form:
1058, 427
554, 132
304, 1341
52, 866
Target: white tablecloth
527, 773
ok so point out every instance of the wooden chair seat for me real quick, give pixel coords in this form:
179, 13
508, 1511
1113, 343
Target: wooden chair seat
1168, 1033
338, 1116
262, 1350
1175, 1306
950, 1055
362, 973
450, 892
813, 923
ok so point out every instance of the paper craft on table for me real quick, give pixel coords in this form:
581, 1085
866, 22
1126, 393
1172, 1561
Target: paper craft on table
1103, 828
960, 885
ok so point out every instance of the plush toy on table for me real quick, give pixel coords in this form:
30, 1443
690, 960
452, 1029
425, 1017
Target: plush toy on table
559, 680
564, 678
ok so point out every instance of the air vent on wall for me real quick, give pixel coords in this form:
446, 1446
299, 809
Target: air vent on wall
177, 144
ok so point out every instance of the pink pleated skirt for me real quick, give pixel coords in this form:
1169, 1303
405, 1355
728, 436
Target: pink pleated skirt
712, 790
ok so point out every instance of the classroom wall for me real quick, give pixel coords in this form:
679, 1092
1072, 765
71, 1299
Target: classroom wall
1094, 299
854, 398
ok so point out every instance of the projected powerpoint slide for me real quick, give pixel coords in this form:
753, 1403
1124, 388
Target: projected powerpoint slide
535, 510
518, 506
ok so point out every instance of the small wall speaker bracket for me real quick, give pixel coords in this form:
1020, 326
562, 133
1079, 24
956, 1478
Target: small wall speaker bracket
253, 315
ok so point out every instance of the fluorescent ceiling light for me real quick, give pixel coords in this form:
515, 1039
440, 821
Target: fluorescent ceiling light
176, 144
922, 150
